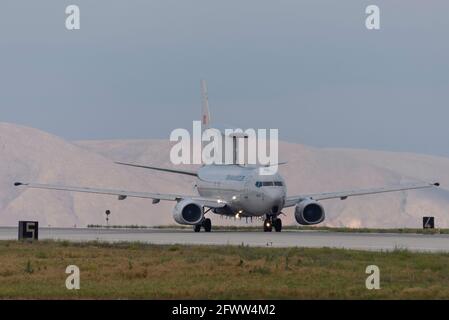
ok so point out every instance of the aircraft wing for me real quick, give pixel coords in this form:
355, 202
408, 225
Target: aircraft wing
189, 173
123, 194
343, 195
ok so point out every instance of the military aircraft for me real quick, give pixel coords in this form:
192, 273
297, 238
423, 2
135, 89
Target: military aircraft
234, 190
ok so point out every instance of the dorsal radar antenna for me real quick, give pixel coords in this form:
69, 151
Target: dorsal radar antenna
206, 123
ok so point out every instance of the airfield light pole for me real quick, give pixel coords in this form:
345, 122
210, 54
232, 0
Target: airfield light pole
108, 212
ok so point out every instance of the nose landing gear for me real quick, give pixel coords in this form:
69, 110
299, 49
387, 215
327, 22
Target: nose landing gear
267, 225
272, 222
277, 224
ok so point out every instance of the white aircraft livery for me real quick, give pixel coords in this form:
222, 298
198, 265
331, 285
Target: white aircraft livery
235, 190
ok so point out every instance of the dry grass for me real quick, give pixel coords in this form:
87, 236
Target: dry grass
133, 270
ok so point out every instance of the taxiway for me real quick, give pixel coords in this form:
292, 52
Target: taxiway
312, 239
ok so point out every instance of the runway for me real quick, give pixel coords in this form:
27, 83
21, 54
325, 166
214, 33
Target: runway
311, 239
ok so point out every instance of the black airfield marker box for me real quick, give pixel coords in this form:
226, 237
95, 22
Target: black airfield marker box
28, 230
428, 222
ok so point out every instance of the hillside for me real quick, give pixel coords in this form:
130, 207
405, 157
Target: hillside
317, 170
32, 155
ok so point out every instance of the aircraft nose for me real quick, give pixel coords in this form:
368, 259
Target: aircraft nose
275, 199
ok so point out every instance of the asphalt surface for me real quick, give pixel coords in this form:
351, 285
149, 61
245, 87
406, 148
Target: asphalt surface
315, 239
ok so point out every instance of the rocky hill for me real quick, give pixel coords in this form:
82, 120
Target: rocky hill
28, 154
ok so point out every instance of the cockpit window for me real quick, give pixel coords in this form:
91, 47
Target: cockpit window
269, 184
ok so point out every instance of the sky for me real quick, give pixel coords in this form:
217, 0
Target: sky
309, 68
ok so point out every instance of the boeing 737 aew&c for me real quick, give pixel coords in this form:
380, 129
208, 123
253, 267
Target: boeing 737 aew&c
237, 191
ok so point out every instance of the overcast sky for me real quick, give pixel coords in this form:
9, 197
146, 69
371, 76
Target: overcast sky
309, 68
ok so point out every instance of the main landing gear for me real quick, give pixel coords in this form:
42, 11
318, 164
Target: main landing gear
206, 224
272, 222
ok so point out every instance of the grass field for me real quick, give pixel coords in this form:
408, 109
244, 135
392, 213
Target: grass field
133, 270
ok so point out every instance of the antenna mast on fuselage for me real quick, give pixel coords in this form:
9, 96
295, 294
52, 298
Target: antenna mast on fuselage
206, 123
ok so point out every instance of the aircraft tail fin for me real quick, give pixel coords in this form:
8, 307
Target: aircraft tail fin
205, 113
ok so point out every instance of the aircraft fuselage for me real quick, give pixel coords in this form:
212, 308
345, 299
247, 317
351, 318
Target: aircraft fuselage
246, 192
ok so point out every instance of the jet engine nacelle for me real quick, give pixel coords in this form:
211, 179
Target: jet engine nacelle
188, 212
308, 212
